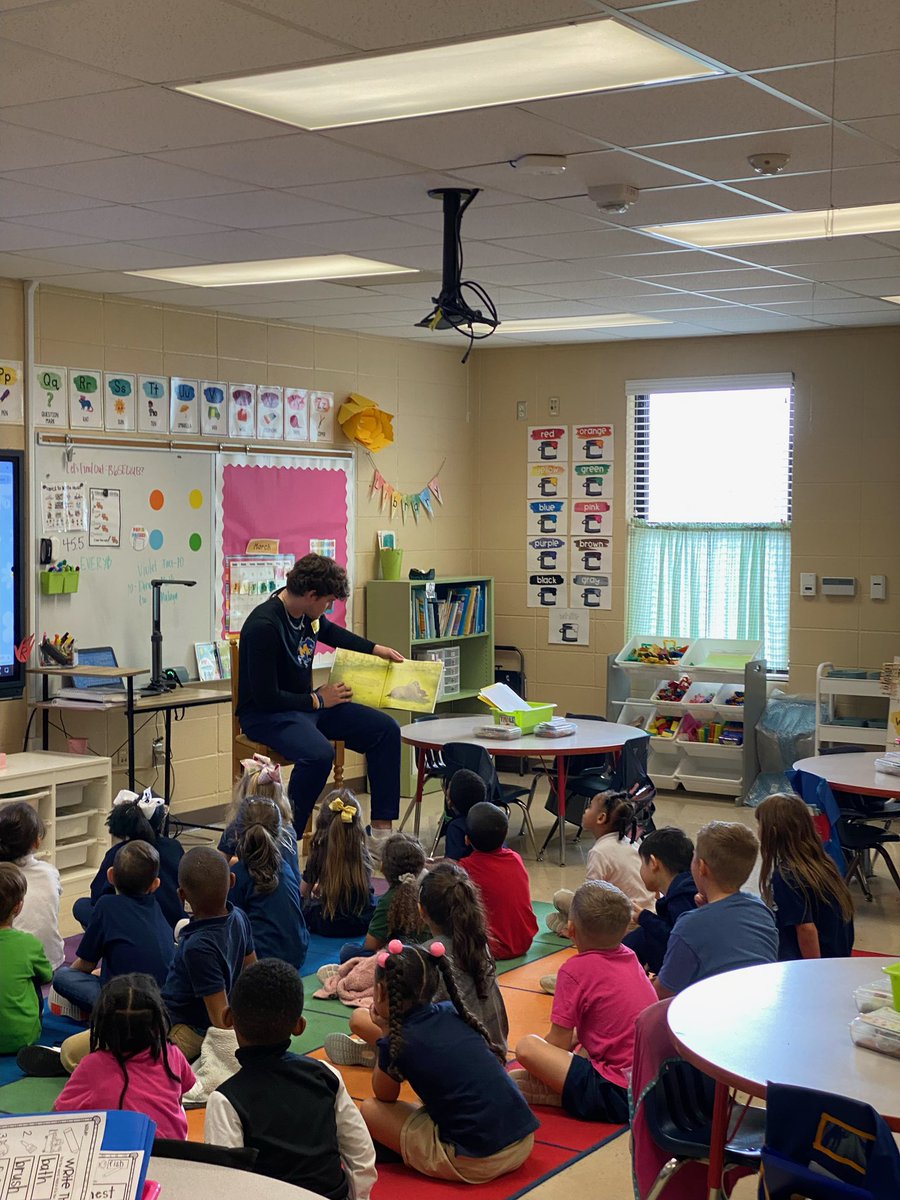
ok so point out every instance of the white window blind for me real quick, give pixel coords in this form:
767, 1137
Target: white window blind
709, 508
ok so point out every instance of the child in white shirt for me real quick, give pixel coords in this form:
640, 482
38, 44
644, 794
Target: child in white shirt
21, 834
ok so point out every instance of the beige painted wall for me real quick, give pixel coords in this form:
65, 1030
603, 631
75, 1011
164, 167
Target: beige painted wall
846, 486
424, 386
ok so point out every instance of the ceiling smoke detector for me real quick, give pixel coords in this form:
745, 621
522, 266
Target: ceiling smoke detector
539, 164
614, 198
768, 164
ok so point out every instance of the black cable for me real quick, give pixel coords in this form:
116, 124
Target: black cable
28, 730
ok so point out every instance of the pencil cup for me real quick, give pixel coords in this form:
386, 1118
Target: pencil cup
391, 563
893, 973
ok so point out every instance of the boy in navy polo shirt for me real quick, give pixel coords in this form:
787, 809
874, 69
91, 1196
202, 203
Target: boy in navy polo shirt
127, 932
463, 790
212, 950
666, 855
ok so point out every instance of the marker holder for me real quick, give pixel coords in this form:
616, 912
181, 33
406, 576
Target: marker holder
58, 583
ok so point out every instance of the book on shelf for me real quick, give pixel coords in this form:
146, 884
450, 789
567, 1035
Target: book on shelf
409, 686
460, 612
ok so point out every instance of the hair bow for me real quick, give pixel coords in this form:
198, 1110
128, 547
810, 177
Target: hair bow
395, 946
268, 771
347, 811
146, 801
407, 877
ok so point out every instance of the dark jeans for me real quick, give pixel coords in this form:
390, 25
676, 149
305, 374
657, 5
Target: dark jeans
305, 740
77, 987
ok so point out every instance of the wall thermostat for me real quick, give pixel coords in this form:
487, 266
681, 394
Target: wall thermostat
838, 585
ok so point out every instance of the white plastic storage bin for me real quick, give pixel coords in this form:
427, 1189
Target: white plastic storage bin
73, 854
700, 695
731, 712
74, 826
654, 639
662, 767
635, 714
669, 706
449, 656
68, 795
663, 745
720, 654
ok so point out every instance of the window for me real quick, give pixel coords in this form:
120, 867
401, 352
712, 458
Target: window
709, 509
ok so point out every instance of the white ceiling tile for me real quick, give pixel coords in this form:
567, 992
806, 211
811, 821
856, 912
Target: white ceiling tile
360, 237
751, 320
885, 285
113, 256
393, 196
477, 254
716, 281
23, 266
591, 289
231, 246
849, 320
661, 205
15, 237
868, 268
816, 250
141, 120
863, 87
118, 223
528, 219
589, 244
408, 22
645, 266
22, 148
124, 179
255, 209
882, 129
867, 26
878, 184
291, 160
28, 74
583, 170
547, 308
463, 139
647, 116
21, 200
816, 307
767, 295
110, 281
165, 40
773, 33
674, 303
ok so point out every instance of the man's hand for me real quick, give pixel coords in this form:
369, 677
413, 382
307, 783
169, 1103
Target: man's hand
388, 653
332, 694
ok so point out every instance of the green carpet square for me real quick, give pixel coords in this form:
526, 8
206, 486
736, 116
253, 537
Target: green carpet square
31, 1094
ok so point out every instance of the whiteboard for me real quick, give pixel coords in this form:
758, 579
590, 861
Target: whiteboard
156, 520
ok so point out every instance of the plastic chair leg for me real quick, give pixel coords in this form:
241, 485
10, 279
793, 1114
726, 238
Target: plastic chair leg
854, 869
889, 863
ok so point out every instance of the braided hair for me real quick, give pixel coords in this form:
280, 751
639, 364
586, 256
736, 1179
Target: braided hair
452, 905
258, 845
128, 1018
128, 823
402, 862
621, 813
411, 976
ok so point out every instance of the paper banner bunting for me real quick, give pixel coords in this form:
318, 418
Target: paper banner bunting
406, 502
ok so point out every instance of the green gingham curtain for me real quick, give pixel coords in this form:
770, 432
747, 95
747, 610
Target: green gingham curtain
727, 581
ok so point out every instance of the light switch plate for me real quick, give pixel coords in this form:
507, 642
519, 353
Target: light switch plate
807, 583
877, 587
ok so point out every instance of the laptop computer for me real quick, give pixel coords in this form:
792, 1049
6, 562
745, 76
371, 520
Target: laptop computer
94, 688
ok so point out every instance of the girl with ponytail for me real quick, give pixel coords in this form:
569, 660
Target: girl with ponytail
338, 897
473, 1124
265, 887
261, 777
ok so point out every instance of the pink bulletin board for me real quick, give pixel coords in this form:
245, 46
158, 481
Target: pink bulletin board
291, 498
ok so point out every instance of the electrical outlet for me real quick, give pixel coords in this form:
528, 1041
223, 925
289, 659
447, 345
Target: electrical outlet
521, 410
120, 758
159, 752
554, 406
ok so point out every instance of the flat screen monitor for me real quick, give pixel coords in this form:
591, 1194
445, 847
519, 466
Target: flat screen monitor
12, 571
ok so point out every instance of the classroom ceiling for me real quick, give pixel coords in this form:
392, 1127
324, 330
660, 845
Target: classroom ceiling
105, 169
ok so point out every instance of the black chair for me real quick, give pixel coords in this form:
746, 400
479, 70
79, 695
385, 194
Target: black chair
859, 840
457, 756
678, 1111
239, 1158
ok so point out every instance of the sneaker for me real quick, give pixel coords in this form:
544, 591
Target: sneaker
325, 973
534, 1090
375, 841
558, 923
347, 1051
180, 927
61, 1007
45, 1061
548, 984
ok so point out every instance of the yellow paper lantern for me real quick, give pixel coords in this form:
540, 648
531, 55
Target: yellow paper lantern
363, 421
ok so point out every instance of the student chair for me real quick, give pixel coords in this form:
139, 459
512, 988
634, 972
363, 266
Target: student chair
244, 747
457, 756
859, 841
239, 1158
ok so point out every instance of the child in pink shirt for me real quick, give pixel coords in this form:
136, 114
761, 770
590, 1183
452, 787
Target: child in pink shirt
584, 1062
130, 1064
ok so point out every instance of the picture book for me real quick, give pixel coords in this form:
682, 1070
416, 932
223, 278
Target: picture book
207, 661
410, 686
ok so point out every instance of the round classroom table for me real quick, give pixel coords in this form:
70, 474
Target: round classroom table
590, 737
785, 1022
180, 1179
852, 773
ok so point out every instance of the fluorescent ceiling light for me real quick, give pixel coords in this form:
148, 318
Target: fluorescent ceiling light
590, 57
275, 270
782, 226
892, 299
598, 321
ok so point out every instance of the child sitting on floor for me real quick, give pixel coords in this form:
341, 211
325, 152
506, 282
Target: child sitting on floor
131, 1065
127, 933
473, 1124
295, 1111
463, 790
799, 882
397, 911
665, 868
21, 834
138, 818
584, 1063
728, 929
265, 887
261, 777
502, 880
23, 967
338, 897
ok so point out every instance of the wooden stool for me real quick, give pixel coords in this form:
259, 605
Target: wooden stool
244, 747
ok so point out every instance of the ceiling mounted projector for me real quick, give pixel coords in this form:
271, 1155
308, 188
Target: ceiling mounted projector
451, 310
614, 198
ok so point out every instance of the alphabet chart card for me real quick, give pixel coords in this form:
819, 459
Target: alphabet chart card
184, 407
242, 410
296, 414
213, 414
547, 517
546, 554
270, 413
321, 416
152, 406
592, 443
548, 443
547, 481
118, 401
12, 405
50, 389
85, 399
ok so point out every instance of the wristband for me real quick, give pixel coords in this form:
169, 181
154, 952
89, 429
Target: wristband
317, 701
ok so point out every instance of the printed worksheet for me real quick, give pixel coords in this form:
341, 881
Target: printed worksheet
49, 1157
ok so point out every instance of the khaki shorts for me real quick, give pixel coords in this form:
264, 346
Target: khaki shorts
423, 1150
188, 1040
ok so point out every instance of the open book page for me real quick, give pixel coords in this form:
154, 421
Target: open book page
501, 696
410, 686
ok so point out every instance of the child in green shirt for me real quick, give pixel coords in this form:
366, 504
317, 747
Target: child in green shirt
23, 968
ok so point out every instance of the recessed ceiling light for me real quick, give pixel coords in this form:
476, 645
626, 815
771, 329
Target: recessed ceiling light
275, 270
589, 57
597, 321
892, 299
782, 226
